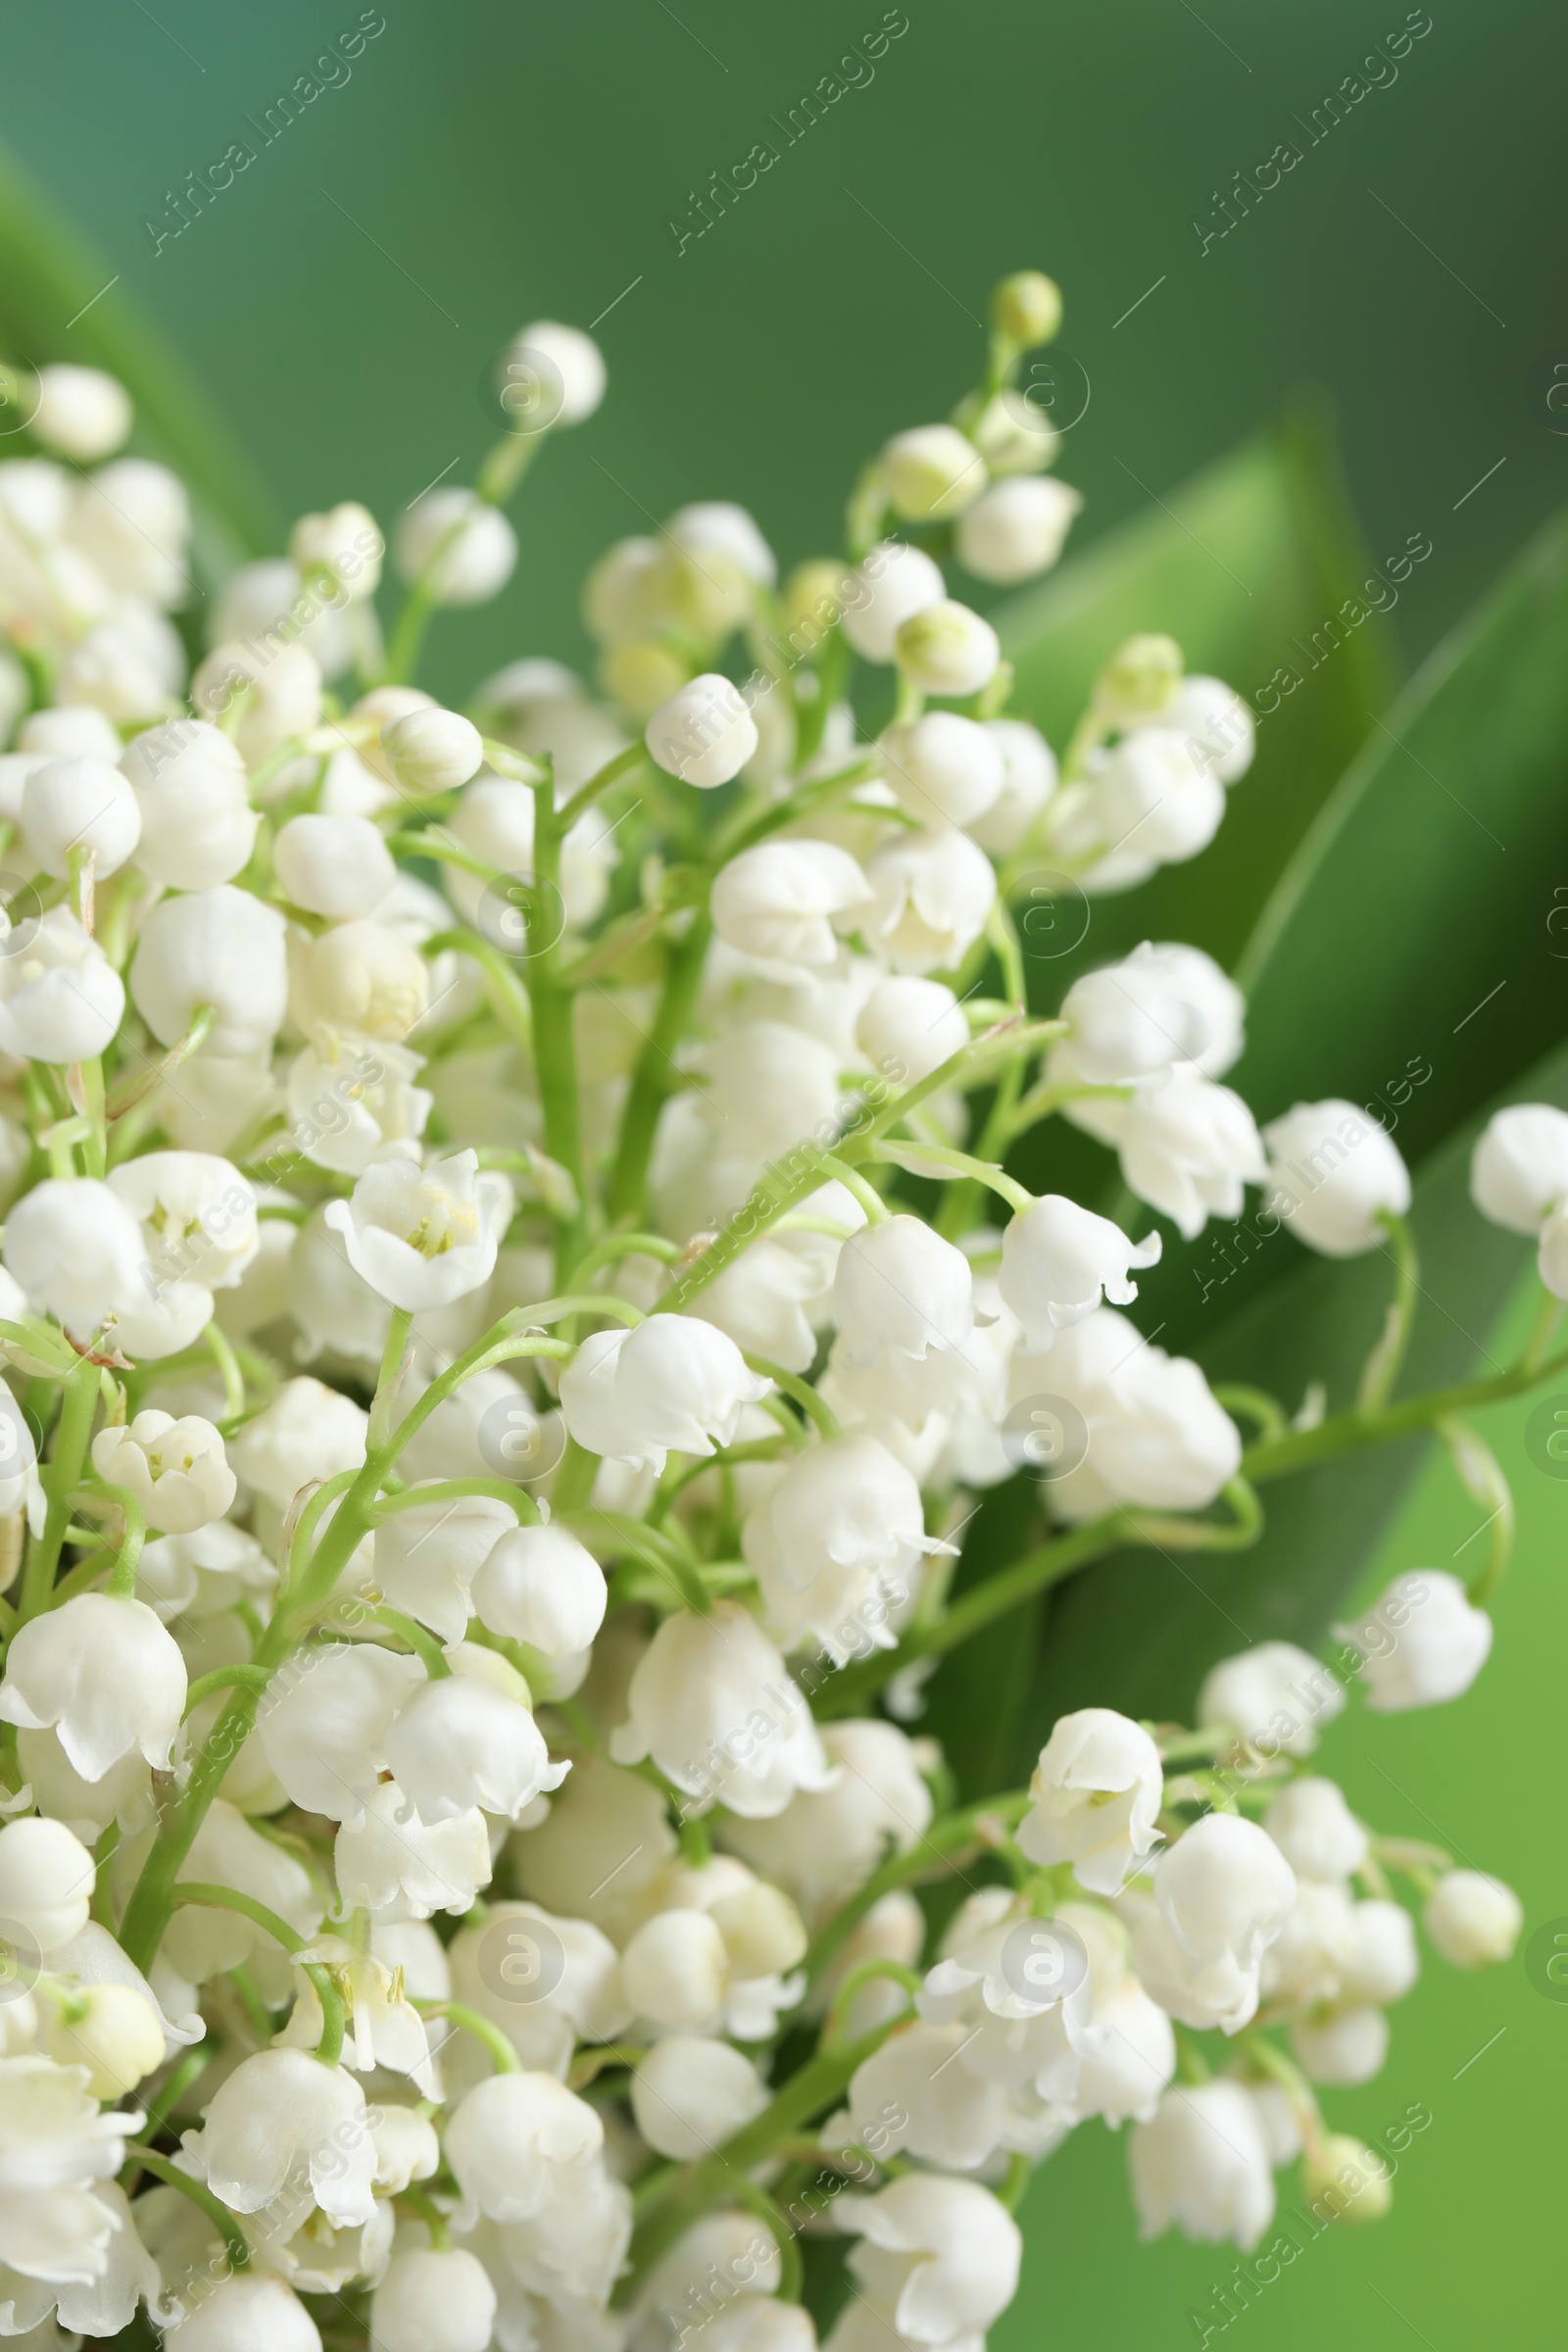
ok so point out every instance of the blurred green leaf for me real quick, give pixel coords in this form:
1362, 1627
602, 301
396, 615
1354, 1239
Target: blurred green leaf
1413, 926
53, 306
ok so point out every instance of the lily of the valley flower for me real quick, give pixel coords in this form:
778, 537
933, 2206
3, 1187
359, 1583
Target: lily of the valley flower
422, 1237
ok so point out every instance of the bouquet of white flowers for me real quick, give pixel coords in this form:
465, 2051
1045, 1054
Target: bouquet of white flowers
515, 1296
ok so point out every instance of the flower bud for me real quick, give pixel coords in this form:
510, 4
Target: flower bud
1423, 1641
113, 2031
569, 358
1473, 1920
82, 414
344, 544
942, 768
76, 1252
1140, 682
675, 1971
132, 520
338, 867
1519, 1168
1385, 1962
69, 731
1274, 1696
710, 1702
1220, 729
764, 1933
1315, 1830
46, 1880
690, 2094
519, 2138
785, 902
1026, 307
221, 946
719, 527
433, 2299
269, 692
307, 1432
890, 584
932, 473
1336, 1173
538, 1585
946, 649
251, 2311
433, 750
1344, 2180
361, 979
61, 1000
198, 828
1188, 1148
458, 1743
457, 548
1341, 2046
641, 674
910, 1027
1016, 528
76, 804
703, 734
674, 1383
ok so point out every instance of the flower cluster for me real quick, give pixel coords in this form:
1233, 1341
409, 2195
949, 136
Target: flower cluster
485, 1432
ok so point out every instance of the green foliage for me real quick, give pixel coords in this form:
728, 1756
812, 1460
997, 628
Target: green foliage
48, 278
1406, 929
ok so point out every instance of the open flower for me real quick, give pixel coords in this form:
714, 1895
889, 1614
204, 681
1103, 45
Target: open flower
177, 1470
1094, 1798
422, 1237
104, 1672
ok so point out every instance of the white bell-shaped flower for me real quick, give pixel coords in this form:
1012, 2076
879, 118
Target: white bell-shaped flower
252, 2311
1473, 1920
1058, 1261
674, 1384
1335, 1172
1202, 2163
433, 2299
1147, 802
932, 473
943, 770
1274, 1696
46, 1882
1315, 1830
60, 999
917, 2091
1188, 1148
221, 947
1152, 1430
459, 548
934, 892
426, 1559
1309, 1959
467, 1739
691, 2093
324, 1722
1133, 2061
343, 546
538, 1585
762, 1300
901, 1286
281, 2111
827, 1842
1384, 1963
75, 806
891, 582
422, 1237
711, 1701
1422, 1641
947, 649
938, 2262
1519, 1168
705, 734
1028, 781
76, 1252
338, 867
1094, 1798
391, 1856
177, 1470
1130, 1023
1016, 529
1224, 1891
359, 979
836, 1546
345, 1106
433, 750
1219, 725
307, 1432
59, 2147
514, 2139
1341, 2046
910, 1027
675, 1971
104, 1672
81, 413
786, 902
198, 828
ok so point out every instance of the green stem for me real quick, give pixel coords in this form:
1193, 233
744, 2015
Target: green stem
623, 764
940, 1847
1382, 1366
1352, 1432
458, 1489
164, 2169
424, 1644
60, 1475
657, 1074
869, 1972
330, 2049
228, 1898
505, 2057
802, 1391
225, 1677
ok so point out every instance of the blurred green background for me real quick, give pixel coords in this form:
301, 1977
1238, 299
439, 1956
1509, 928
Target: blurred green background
485, 165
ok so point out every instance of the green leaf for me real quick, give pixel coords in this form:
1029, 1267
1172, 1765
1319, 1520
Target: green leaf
53, 306
1416, 926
